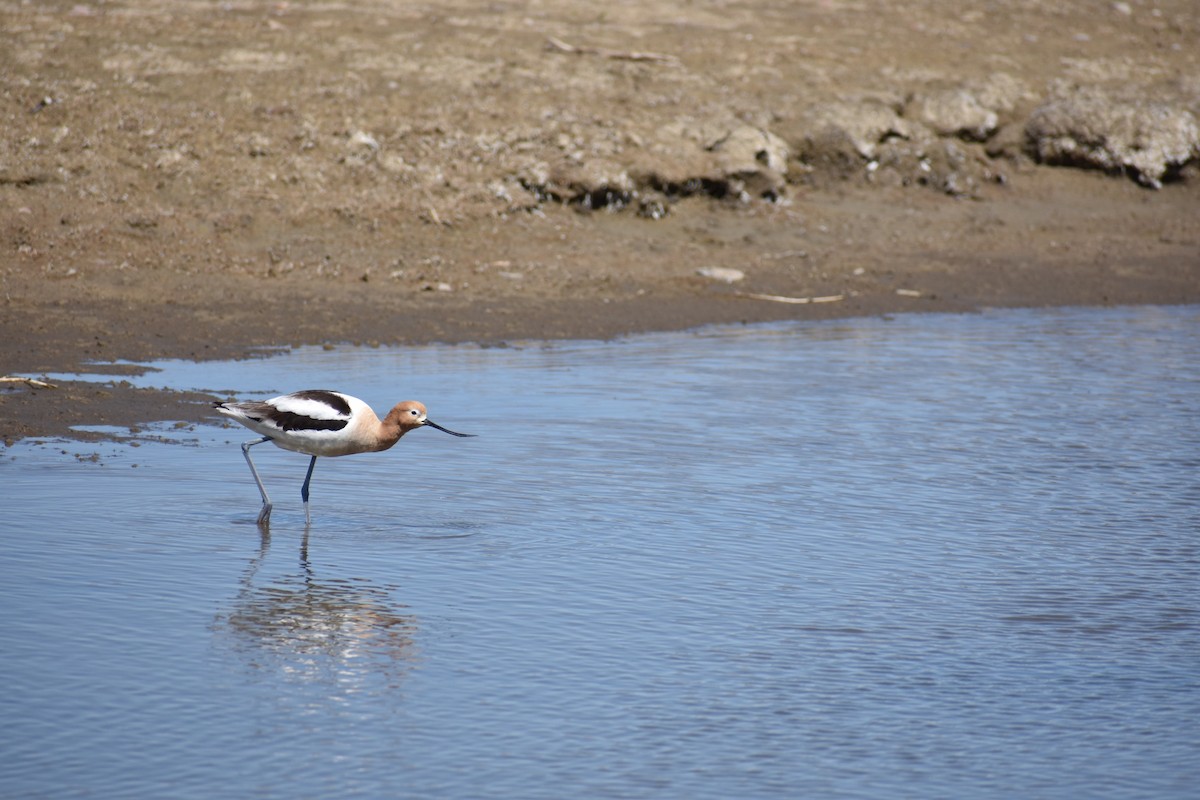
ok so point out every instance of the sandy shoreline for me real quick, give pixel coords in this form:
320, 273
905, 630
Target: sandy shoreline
205, 181
52, 326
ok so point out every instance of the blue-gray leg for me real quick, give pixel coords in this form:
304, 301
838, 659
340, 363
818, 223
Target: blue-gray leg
265, 515
304, 489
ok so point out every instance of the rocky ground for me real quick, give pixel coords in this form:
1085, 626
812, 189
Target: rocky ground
195, 179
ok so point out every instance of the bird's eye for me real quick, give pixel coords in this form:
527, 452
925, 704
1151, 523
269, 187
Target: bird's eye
414, 412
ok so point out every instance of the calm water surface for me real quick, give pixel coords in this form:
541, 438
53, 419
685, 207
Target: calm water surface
935, 556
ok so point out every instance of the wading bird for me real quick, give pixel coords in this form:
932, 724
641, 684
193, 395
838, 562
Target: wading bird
318, 422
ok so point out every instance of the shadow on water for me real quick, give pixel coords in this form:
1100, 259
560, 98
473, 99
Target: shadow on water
301, 628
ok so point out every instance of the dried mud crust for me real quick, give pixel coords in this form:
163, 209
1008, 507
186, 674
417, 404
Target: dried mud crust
197, 179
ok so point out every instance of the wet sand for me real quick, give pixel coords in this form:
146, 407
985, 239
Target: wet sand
214, 180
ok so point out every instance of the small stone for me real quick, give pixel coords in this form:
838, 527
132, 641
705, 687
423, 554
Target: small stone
363, 139
652, 208
723, 274
257, 146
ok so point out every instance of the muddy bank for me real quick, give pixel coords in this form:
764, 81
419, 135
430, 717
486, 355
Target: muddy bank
202, 181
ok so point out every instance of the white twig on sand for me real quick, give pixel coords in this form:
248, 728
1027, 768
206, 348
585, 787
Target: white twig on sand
34, 382
604, 52
779, 298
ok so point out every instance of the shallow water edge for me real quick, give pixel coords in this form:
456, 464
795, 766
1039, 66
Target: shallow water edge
84, 397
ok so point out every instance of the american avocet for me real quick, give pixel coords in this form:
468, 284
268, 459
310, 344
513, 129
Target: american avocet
318, 422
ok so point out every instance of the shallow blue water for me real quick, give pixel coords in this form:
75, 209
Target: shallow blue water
933, 556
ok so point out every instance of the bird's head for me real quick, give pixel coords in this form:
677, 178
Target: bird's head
411, 415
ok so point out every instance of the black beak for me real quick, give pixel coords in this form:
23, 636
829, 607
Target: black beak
433, 424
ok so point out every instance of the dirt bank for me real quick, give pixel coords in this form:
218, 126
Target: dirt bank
199, 179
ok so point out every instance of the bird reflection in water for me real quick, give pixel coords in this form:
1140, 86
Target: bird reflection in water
345, 631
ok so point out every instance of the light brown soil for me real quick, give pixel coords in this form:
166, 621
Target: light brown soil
197, 179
